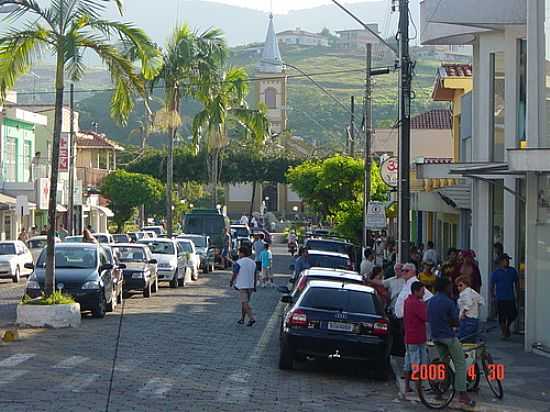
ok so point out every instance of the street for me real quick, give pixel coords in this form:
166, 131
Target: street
182, 349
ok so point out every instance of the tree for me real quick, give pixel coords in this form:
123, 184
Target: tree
190, 62
66, 29
126, 191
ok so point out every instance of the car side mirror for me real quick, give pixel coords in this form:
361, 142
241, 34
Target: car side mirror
29, 266
153, 261
107, 266
284, 290
286, 299
122, 266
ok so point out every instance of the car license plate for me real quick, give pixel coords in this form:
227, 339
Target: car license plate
339, 326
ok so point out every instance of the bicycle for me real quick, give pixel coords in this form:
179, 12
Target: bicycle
435, 381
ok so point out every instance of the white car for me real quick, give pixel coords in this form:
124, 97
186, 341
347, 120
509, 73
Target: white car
13, 257
37, 243
104, 238
158, 230
172, 261
193, 258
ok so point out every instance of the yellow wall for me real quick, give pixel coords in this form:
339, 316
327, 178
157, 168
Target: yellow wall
461, 86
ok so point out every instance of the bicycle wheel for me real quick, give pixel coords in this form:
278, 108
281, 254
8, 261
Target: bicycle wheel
494, 384
437, 393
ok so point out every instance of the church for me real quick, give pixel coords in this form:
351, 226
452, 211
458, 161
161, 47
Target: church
271, 90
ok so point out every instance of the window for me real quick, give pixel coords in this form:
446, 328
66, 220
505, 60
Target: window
27, 158
341, 300
271, 97
497, 94
10, 159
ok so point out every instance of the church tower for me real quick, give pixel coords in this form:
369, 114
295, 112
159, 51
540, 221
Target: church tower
272, 87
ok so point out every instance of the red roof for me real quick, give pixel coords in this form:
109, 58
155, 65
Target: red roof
455, 70
95, 140
434, 119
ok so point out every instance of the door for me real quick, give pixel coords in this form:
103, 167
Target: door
106, 275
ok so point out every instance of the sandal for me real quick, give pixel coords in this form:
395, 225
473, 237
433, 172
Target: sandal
241, 322
251, 322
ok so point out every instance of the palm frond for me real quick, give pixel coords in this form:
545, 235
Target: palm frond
32, 6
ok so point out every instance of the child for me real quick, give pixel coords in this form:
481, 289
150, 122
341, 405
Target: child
427, 276
415, 316
468, 304
266, 258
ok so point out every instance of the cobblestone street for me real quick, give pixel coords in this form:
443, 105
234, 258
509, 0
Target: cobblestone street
179, 350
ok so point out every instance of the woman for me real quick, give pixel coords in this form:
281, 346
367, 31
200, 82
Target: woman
376, 281
470, 269
87, 237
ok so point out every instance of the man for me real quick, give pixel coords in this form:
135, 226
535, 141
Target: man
442, 316
244, 280
409, 274
415, 318
430, 254
367, 265
62, 233
258, 247
23, 236
226, 249
302, 262
244, 220
90, 229
504, 286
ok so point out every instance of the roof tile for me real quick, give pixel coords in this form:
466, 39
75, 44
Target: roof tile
434, 119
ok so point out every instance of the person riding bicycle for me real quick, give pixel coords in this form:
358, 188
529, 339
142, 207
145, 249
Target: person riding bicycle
442, 317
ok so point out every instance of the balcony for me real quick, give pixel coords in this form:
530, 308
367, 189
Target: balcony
451, 22
91, 177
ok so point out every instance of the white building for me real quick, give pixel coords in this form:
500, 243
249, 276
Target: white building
302, 38
508, 158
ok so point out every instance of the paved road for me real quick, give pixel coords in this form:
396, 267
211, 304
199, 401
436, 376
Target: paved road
179, 350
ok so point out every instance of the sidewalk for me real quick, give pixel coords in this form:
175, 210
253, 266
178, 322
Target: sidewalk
526, 381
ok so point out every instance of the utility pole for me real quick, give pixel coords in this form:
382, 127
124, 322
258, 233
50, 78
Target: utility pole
404, 193
352, 128
72, 166
367, 116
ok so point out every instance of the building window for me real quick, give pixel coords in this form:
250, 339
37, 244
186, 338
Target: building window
497, 94
522, 93
10, 159
271, 98
27, 159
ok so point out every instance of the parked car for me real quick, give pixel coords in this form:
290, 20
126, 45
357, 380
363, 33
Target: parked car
37, 243
317, 273
208, 222
193, 259
82, 270
172, 262
104, 238
149, 234
159, 230
241, 232
339, 321
73, 239
118, 276
334, 260
202, 246
135, 236
14, 255
140, 273
121, 238
336, 245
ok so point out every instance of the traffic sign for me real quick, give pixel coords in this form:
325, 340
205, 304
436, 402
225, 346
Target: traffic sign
389, 171
376, 216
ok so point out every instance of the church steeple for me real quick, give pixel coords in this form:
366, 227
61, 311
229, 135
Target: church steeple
272, 61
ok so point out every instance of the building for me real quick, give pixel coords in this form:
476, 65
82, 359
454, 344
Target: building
356, 39
506, 159
302, 38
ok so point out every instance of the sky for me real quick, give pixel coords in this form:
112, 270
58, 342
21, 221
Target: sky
281, 6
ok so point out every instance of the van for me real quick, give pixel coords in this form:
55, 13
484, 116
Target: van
209, 222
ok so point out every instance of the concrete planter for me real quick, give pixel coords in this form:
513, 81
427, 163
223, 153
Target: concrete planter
53, 316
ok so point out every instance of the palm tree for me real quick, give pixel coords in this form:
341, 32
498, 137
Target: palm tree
68, 28
190, 62
225, 100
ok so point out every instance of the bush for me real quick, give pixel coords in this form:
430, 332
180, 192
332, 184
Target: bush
56, 298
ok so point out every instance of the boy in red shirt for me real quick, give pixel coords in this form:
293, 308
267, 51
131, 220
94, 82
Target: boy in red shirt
415, 316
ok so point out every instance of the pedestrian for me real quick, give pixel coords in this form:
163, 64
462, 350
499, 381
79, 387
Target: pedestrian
90, 229
442, 317
44, 230
504, 287
301, 263
258, 247
470, 269
23, 236
244, 280
62, 233
226, 249
469, 302
430, 254
254, 223
409, 274
427, 277
415, 257
87, 237
367, 265
376, 281
415, 316
266, 258
244, 220
498, 250
34, 231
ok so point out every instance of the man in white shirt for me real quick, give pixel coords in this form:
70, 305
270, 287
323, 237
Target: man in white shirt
430, 254
244, 220
409, 274
244, 280
394, 286
367, 265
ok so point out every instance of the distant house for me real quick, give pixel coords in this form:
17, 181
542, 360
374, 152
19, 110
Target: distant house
302, 38
355, 39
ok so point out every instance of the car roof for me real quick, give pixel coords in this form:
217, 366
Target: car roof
185, 235
325, 253
340, 285
348, 274
341, 241
179, 239
78, 245
137, 245
101, 234
157, 240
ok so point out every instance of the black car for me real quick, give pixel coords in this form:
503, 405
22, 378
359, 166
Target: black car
335, 320
140, 272
335, 245
83, 271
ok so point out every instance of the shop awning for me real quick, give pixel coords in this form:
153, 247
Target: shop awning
60, 208
6, 201
104, 210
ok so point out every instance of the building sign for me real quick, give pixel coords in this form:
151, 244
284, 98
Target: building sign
22, 206
64, 152
389, 171
42, 193
376, 216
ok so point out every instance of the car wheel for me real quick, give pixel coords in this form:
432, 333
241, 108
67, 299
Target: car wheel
147, 291
17, 275
174, 282
100, 309
155, 286
286, 358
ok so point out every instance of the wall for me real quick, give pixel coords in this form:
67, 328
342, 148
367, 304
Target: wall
424, 142
23, 133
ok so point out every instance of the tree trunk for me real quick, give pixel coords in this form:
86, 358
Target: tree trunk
49, 282
170, 182
252, 201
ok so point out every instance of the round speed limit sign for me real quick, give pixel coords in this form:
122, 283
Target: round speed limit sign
389, 171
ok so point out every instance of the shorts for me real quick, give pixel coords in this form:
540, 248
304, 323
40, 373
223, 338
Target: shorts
507, 311
258, 266
245, 295
415, 355
266, 273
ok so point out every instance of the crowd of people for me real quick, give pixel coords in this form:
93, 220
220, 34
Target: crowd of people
439, 299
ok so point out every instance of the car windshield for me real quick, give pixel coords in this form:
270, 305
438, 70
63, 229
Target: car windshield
7, 249
327, 246
37, 243
240, 231
200, 224
130, 254
186, 246
71, 258
160, 248
199, 241
340, 299
325, 261
73, 239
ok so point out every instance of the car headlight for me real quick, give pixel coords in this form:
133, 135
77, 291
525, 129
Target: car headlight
93, 284
32, 284
167, 266
137, 275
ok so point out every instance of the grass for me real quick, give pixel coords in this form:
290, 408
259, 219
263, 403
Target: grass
56, 298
